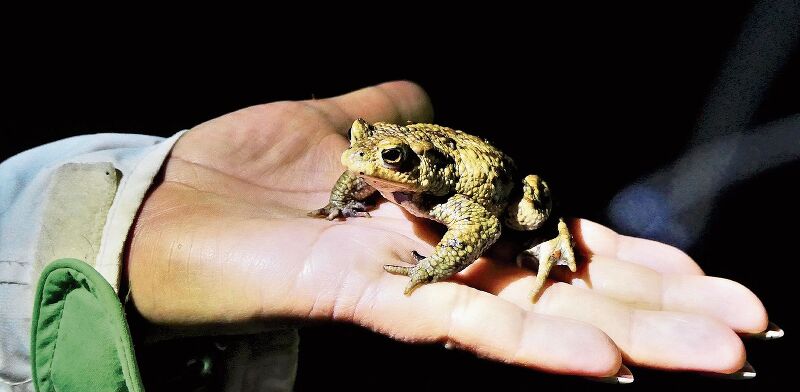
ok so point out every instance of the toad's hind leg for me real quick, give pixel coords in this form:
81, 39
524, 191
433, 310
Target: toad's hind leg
531, 209
530, 212
557, 251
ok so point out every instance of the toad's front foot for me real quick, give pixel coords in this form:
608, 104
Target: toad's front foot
345, 210
419, 274
557, 251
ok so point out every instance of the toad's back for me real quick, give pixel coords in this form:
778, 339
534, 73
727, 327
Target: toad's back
461, 163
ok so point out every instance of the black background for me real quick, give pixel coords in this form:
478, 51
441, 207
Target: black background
591, 97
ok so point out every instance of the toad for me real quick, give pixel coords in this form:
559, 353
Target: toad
451, 177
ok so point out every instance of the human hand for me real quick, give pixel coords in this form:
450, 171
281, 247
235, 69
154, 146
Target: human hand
223, 239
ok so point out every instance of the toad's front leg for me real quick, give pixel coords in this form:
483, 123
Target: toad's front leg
346, 198
470, 230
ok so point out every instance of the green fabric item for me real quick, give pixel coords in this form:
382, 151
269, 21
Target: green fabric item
79, 338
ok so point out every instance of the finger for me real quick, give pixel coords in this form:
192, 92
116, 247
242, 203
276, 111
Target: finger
593, 238
463, 317
661, 339
641, 287
491, 327
394, 102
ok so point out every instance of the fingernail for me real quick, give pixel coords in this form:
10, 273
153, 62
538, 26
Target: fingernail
745, 373
623, 376
772, 332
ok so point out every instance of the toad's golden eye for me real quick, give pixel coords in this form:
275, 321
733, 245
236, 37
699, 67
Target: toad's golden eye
392, 156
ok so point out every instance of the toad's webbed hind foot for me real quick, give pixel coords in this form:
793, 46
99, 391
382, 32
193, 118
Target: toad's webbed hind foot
348, 210
557, 251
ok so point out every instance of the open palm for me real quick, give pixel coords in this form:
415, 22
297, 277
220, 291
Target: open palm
224, 240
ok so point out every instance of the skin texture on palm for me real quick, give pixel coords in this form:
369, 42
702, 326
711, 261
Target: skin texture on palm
223, 240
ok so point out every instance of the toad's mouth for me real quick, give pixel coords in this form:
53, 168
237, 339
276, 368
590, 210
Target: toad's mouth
386, 186
395, 193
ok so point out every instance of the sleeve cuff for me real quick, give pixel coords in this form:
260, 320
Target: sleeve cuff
79, 336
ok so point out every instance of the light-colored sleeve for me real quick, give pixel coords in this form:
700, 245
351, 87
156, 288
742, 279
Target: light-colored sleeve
74, 198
